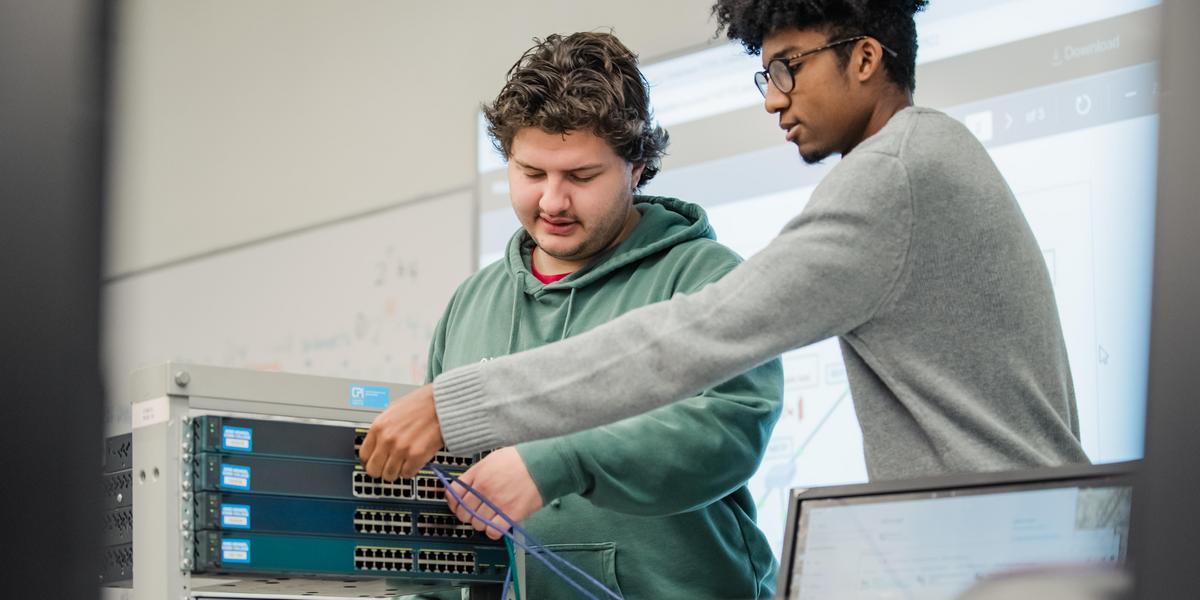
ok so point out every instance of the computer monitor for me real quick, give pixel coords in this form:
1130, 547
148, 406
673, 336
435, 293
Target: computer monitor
935, 538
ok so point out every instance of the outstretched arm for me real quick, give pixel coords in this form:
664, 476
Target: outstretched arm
830, 270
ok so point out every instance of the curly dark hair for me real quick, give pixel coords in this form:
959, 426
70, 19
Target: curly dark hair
889, 21
586, 81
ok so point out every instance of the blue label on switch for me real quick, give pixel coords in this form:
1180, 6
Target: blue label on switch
237, 439
234, 477
369, 396
235, 551
235, 516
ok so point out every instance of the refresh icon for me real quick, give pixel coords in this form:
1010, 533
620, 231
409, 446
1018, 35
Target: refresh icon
1083, 104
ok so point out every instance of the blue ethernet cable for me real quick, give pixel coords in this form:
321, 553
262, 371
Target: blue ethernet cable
535, 549
507, 579
536, 553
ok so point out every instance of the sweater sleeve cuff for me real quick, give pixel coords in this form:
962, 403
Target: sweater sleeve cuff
458, 397
550, 467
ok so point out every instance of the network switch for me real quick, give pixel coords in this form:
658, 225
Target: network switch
290, 439
319, 516
229, 552
261, 437
308, 478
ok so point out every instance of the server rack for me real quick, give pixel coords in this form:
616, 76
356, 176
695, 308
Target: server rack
191, 422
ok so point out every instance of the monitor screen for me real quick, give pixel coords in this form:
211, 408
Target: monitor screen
936, 544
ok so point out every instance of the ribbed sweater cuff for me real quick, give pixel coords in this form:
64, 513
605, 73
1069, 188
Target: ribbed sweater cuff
466, 426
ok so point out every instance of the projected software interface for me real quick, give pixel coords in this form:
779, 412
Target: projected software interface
1064, 97
931, 547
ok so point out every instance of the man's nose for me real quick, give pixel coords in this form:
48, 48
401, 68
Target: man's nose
556, 198
775, 101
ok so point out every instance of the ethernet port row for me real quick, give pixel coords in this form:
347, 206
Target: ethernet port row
446, 459
386, 522
443, 525
442, 458
365, 486
429, 488
444, 561
368, 558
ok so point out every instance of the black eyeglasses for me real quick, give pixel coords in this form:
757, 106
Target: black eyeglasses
780, 71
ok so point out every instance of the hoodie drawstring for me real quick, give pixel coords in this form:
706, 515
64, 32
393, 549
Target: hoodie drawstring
567, 321
518, 283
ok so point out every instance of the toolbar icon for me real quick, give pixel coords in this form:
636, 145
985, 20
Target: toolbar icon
980, 124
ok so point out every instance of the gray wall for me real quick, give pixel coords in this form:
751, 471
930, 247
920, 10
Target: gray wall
236, 120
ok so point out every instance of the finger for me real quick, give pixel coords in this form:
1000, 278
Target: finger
451, 501
464, 510
395, 464
459, 485
497, 532
421, 449
413, 463
499, 527
377, 461
469, 503
483, 522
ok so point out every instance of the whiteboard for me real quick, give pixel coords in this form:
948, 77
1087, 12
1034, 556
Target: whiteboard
358, 298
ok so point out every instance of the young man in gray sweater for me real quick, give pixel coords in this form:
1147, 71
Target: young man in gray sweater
912, 251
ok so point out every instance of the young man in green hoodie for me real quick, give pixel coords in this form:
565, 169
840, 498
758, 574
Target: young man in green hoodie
654, 506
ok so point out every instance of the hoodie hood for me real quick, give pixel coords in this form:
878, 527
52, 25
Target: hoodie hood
665, 222
547, 309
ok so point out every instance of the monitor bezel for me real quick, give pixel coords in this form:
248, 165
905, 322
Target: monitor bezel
1122, 472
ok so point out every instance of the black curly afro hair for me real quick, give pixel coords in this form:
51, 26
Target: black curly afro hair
889, 21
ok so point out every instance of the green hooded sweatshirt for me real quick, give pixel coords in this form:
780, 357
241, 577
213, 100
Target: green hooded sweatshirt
654, 506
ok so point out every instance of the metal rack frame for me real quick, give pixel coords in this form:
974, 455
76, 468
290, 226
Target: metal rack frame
165, 399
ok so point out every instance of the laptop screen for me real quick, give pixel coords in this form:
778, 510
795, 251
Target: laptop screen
937, 543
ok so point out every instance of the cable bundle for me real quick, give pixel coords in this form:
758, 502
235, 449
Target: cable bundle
534, 548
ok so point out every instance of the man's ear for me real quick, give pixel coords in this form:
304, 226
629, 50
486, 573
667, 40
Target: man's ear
636, 175
867, 59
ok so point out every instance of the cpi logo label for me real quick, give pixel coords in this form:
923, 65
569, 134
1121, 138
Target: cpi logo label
369, 396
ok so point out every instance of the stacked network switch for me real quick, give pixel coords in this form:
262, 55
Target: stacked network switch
290, 498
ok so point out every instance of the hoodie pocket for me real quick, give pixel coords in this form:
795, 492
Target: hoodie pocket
597, 560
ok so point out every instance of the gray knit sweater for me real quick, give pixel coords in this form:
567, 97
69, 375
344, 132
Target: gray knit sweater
913, 251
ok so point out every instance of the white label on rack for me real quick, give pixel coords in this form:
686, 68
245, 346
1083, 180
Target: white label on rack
151, 412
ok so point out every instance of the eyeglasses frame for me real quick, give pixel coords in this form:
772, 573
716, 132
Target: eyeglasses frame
762, 77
